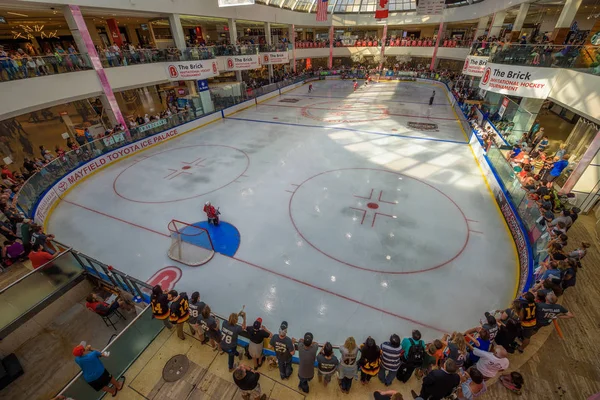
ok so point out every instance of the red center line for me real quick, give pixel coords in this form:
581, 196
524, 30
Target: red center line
354, 109
270, 271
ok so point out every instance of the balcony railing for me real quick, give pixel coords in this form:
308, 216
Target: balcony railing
580, 58
22, 68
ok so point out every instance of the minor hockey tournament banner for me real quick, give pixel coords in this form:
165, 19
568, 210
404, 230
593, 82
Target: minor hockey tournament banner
475, 66
518, 81
191, 70
430, 7
382, 10
239, 63
274, 57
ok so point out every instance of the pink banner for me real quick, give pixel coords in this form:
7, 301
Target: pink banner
293, 41
383, 47
437, 45
93, 54
330, 47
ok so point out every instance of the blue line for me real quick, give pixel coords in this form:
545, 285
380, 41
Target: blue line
367, 97
349, 129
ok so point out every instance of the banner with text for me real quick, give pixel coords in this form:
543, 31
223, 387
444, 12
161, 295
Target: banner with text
274, 57
192, 70
518, 81
475, 65
239, 63
431, 7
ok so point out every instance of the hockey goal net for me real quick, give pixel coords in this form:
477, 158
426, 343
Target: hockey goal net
190, 245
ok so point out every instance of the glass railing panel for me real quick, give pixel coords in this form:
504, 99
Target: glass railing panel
124, 350
14, 68
31, 290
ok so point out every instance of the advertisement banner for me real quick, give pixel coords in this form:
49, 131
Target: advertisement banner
152, 125
239, 63
191, 70
503, 107
475, 66
431, 7
274, 57
518, 81
202, 85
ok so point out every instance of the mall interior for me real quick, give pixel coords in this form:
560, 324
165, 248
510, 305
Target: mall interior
82, 78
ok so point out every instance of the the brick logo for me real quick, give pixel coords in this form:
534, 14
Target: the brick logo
486, 76
173, 73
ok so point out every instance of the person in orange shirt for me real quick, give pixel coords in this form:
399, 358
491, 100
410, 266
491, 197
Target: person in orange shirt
41, 258
38, 256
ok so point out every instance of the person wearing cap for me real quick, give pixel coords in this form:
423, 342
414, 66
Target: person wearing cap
307, 353
94, 372
284, 349
246, 379
257, 334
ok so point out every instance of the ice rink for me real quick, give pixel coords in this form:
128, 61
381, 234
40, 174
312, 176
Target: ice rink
360, 213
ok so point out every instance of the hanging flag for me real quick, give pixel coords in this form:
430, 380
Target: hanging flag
322, 10
383, 7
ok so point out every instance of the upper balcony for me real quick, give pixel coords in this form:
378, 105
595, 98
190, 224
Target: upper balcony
582, 58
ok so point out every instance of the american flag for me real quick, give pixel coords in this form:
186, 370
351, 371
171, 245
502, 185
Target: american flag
322, 10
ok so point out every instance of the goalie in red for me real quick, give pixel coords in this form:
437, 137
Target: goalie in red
212, 213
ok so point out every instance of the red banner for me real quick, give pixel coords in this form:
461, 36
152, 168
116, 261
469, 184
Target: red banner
330, 47
115, 34
382, 9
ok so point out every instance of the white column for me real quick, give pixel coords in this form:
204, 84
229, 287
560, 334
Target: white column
292, 40
233, 40
497, 22
567, 14
481, 26
81, 47
526, 115
523, 10
269, 42
177, 31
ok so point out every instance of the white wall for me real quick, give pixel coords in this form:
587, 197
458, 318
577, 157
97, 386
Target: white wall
24, 95
275, 14
578, 91
133, 76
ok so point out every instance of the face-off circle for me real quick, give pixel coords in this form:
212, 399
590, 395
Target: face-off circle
181, 173
379, 221
346, 112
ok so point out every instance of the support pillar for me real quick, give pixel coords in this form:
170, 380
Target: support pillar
292, 37
518, 25
330, 64
79, 30
177, 31
591, 155
384, 36
437, 45
565, 20
497, 22
269, 43
233, 41
481, 27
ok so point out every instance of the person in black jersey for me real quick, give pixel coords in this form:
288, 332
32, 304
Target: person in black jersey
528, 319
160, 305
180, 310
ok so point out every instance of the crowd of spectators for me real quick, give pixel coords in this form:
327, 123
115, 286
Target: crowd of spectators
18, 64
371, 41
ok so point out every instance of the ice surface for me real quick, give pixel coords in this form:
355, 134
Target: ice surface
301, 176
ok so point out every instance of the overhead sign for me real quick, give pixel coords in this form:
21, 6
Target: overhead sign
430, 7
202, 85
191, 70
518, 81
232, 3
503, 107
274, 57
475, 65
239, 63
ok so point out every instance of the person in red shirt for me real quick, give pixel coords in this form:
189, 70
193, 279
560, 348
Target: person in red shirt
211, 213
100, 307
6, 171
39, 257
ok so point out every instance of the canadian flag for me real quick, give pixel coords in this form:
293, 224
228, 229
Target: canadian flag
382, 9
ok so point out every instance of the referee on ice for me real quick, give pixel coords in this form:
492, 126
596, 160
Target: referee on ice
431, 98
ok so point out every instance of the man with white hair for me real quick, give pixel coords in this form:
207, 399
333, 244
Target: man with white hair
490, 364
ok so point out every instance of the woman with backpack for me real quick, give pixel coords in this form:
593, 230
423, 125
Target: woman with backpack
413, 355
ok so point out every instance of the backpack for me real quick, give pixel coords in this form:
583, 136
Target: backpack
416, 353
